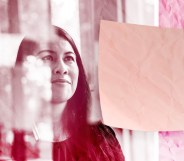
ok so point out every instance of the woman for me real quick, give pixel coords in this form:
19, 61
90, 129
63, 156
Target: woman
74, 138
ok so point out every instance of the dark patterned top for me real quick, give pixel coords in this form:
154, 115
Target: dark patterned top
100, 144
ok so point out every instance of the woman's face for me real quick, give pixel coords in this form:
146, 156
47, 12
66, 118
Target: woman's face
62, 61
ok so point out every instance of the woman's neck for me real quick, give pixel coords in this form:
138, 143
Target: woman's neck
54, 129
57, 111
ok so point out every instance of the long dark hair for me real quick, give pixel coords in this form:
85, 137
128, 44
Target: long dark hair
75, 114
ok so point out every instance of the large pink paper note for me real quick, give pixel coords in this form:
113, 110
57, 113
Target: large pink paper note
141, 76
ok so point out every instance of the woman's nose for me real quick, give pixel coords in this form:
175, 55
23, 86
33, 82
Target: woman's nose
60, 68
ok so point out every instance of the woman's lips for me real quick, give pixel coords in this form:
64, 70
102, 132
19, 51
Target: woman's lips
60, 81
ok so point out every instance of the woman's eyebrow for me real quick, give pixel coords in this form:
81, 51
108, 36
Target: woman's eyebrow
50, 51
69, 53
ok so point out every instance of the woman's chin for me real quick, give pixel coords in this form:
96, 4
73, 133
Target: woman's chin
61, 95
58, 100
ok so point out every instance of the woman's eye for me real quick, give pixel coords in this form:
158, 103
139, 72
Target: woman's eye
47, 58
69, 58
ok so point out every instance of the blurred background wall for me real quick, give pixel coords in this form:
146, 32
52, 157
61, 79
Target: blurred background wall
81, 18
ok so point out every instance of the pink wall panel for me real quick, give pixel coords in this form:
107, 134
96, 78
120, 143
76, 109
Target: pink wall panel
171, 14
171, 146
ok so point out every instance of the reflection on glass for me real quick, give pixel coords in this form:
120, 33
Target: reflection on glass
5, 111
24, 105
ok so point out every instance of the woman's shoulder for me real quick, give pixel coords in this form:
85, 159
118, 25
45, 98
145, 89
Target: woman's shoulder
102, 129
104, 136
